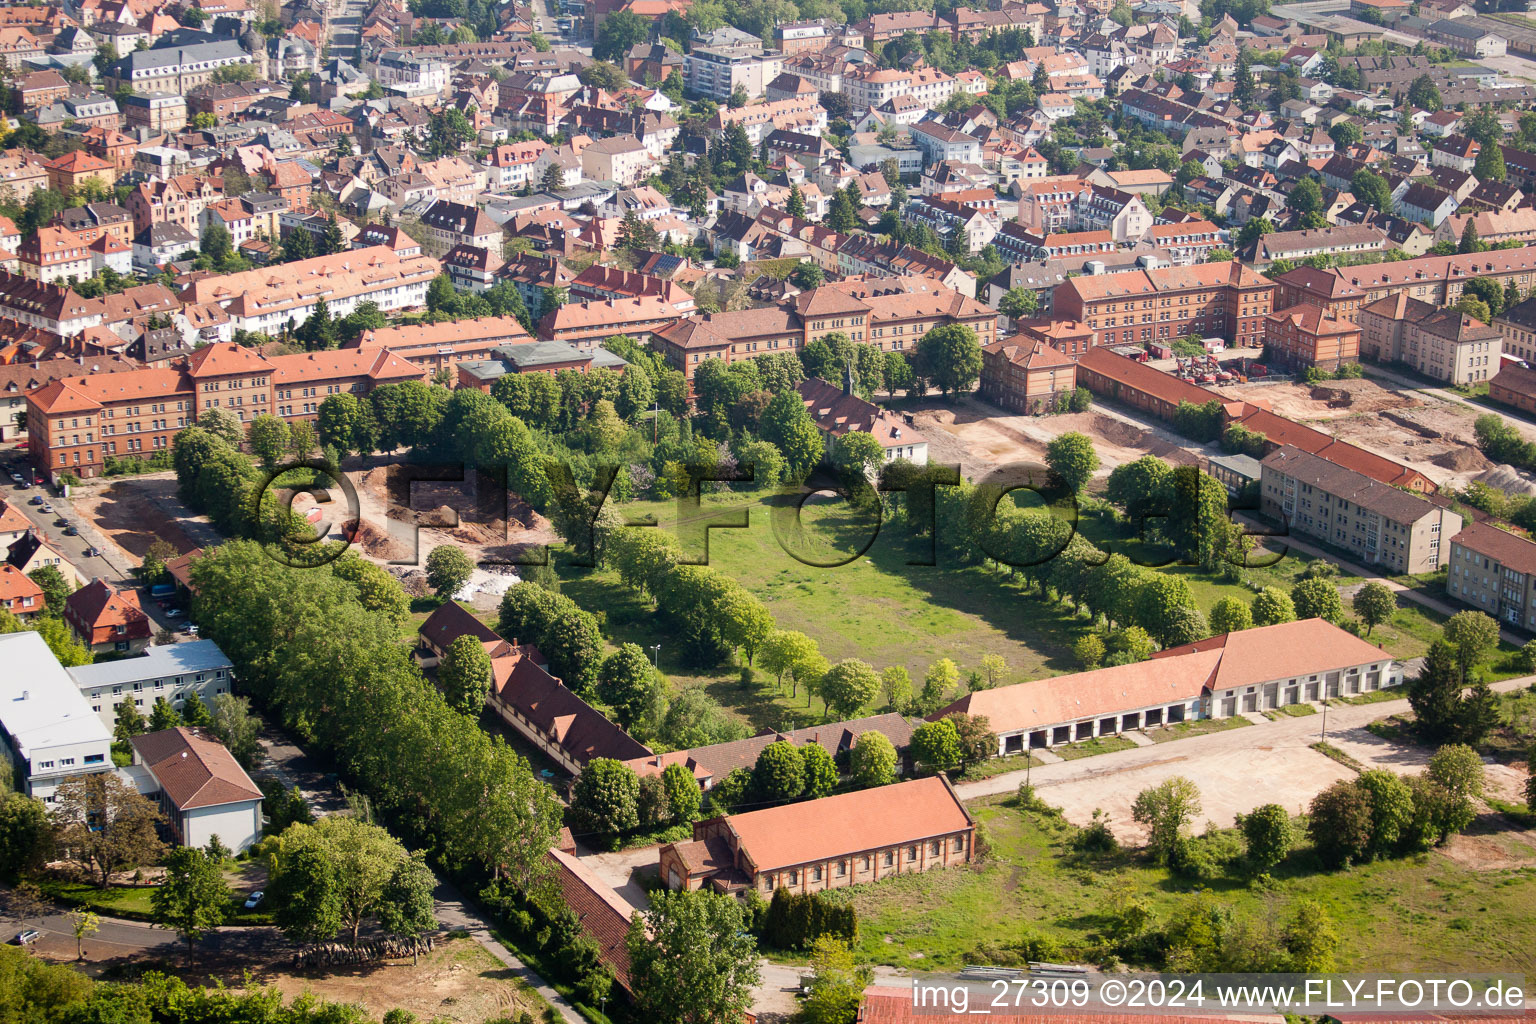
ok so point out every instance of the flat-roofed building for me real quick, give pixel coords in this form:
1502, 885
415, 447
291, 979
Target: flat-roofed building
1372, 522
432, 348
836, 841
172, 671
50, 732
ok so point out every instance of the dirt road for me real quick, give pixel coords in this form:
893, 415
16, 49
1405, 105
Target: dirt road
1236, 770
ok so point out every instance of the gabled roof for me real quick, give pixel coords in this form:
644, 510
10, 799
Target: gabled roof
1509, 550
100, 605
194, 771
837, 826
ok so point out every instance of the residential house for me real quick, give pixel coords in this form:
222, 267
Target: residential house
175, 672
200, 787
1445, 344
108, 618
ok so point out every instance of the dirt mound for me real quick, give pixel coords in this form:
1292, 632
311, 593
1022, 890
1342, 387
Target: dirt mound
1119, 432
1507, 478
1462, 460
938, 415
376, 543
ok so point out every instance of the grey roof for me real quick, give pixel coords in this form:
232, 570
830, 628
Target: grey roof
176, 56
154, 663
516, 358
1394, 505
1459, 29
1243, 465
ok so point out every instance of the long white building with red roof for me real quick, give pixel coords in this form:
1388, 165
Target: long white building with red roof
1251, 670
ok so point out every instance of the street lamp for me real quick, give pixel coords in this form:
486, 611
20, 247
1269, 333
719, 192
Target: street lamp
655, 655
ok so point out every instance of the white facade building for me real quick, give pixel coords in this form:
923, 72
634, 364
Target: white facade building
50, 731
175, 672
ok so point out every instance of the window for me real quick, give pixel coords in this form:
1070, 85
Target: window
889, 858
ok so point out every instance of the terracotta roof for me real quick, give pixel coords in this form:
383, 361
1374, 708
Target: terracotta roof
11, 519
1030, 353
225, 358
16, 585
838, 413
602, 913
1287, 650
194, 771
98, 608
564, 718
451, 620
1142, 377
836, 826
1510, 551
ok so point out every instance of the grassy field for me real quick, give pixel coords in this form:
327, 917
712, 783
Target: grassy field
1426, 912
132, 901
876, 606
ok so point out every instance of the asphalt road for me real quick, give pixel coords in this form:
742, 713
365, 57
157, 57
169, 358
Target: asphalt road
117, 939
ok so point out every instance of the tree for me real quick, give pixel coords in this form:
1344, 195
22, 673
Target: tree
820, 771
448, 570
1019, 303
193, 897
618, 34
691, 958
950, 358
82, 923
627, 683
1424, 94
26, 836
465, 675
795, 205
194, 712
977, 740
896, 684
1372, 189
936, 746
1490, 164
940, 678
1317, 599
1307, 196
848, 686
1089, 650
837, 985
872, 761
1345, 134
1458, 770
233, 724
1309, 939
55, 587
779, 774
1435, 695
1273, 606
606, 798
106, 824
1230, 615
408, 908
788, 426
1166, 810
267, 437
1391, 804
339, 422
130, 722
1269, 835
163, 716
1473, 634
682, 789
857, 454
216, 243
1469, 242
1478, 715
1374, 604
1073, 460
358, 860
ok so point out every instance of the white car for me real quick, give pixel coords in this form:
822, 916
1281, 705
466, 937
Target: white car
254, 900
46, 509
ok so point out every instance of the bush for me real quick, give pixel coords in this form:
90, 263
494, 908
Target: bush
797, 920
1095, 838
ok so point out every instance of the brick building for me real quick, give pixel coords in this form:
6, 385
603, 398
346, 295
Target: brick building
76, 423
1441, 343
829, 843
1226, 300
1024, 374
1308, 335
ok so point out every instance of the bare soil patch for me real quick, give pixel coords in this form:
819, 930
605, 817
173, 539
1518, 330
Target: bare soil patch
127, 513
458, 981
981, 437
1496, 849
490, 524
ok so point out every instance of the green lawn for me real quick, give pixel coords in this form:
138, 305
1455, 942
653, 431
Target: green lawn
1199, 727
1421, 913
1088, 748
875, 607
132, 901
993, 766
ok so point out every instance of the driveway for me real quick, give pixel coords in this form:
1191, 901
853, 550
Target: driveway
1236, 770
624, 870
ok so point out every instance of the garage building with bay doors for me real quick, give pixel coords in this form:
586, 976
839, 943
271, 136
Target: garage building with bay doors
1248, 671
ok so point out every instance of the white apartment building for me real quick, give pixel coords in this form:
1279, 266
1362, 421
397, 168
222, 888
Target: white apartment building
175, 672
49, 730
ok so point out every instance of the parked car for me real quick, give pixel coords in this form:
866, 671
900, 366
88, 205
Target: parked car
17, 477
70, 531
173, 613
47, 509
93, 552
193, 628
26, 937
61, 521
37, 499
254, 900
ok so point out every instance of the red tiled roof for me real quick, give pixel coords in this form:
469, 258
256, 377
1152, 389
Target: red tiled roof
194, 771
97, 609
602, 913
